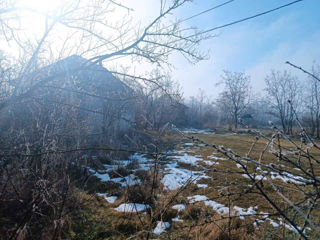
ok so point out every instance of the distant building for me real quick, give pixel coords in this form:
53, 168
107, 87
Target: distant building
82, 99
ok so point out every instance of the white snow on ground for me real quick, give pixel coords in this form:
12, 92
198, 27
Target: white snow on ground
179, 207
257, 177
202, 185
161, 227
129, 180
176, 219
285, 177
243, 212
102, 194
273, 223
210, 163
197, 198
216, 158
197, 131
217, 207
110, 199
188, 159
140, 158
288, 177
189, 144
132, 207
103, 177
220, 208
178, 177
124, 181
210, 203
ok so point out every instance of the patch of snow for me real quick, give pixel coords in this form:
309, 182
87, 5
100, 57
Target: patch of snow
178, 177
220, 208
102, 195
110, 199
132, 207
202, 185
244, 213
129, 180
273, 223
197, 198
188, 159
285, 177
161, 227
179, 207
103, 177
210, 163
216, 158
176, 219
197, 131
257, 222
288, 177
140, 158
189, 144
257, 177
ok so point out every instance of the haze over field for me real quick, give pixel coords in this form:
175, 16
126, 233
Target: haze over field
159, 119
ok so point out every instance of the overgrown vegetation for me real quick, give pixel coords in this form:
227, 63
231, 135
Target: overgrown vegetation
93, 150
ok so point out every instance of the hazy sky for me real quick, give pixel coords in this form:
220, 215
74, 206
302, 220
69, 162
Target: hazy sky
254, 46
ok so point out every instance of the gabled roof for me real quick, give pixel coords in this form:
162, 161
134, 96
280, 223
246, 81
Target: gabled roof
86, 72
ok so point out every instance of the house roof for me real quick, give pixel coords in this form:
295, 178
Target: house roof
86, 72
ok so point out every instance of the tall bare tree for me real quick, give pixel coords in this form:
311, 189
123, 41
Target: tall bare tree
236, 95
313, 101
43, 140
283, 87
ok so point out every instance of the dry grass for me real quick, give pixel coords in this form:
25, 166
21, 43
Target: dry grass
226, 185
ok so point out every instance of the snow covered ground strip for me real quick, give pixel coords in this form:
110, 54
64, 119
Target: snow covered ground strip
132, 207
197, 131
287, 178
210, 163
104, 177
179, 207
216, 158
220, 208
161, 227
188, 159
177, 177
242, 212
129, 180
110, 199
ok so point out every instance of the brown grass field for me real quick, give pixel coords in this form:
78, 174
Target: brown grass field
226, 185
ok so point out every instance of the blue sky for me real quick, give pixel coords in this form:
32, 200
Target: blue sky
255, 46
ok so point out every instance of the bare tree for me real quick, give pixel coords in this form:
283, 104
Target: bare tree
201, 111
44, 131
313, 101
83, 29
281, 88
236, 95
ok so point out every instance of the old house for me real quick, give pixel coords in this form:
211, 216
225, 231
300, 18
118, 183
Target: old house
75, 98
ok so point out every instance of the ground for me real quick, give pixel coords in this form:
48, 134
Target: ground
190, 192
